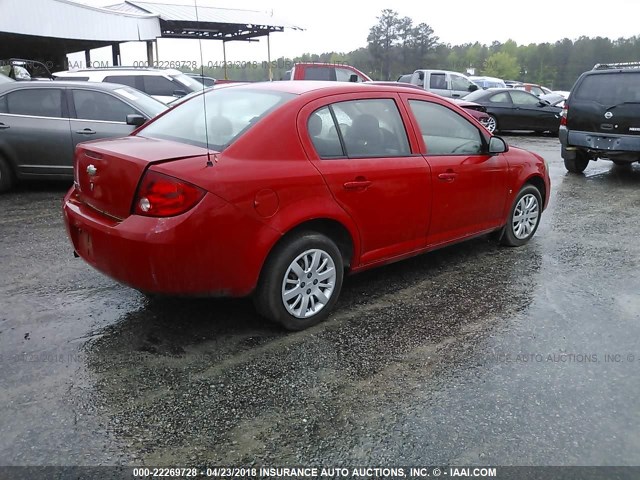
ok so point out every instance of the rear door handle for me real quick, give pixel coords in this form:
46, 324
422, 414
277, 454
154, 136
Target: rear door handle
3, 126
448, 176
86, 131
357, 185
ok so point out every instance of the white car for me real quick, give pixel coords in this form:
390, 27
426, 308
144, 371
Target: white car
163, 85
488, 82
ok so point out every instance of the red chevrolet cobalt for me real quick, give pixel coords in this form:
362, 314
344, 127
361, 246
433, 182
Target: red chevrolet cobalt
275, 190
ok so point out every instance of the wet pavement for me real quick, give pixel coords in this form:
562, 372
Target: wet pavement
473, 355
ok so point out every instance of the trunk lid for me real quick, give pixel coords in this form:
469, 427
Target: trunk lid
107, 172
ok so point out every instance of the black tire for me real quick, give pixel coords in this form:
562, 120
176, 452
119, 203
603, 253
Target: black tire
269, 296
512, 236
578, 163
6, 175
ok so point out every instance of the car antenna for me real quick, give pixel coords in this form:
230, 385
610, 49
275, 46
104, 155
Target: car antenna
204, 102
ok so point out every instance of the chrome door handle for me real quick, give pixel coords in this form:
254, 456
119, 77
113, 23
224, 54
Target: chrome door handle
86, 131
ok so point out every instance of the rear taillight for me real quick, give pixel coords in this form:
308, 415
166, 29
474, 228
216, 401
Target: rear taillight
563, 116
161, 195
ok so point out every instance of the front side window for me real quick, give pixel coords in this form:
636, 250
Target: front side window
523, 98
36, 102
444, 131
229, 113
160, 86
345, 75
91, 105
459, 83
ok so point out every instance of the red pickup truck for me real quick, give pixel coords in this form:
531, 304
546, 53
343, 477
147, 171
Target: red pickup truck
335, 72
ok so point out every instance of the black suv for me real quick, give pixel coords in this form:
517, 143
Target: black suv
601, 118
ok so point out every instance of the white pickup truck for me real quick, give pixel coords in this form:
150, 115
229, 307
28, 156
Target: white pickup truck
443, 82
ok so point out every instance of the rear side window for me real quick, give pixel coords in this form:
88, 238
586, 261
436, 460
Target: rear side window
36, 102
320, 73
92, 105
324, 134
3, 104
369, 128
128, 80
438, 81
160, 86
230, 113
444, 131
609, 89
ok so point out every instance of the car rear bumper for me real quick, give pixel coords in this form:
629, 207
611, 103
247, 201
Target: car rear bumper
603, 144
189, 254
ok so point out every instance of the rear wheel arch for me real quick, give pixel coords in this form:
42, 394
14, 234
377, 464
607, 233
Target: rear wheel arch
332, 229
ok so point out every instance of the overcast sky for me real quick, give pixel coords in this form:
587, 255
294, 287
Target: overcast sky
342, 25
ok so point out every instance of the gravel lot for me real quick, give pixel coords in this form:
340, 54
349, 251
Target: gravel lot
476, 354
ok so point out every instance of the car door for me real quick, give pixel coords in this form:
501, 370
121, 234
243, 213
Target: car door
98, 114
35, 131
469, 185
460, 86
361, 148
530, 114
500, 106
438, 83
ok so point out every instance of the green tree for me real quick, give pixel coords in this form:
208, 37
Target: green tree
502, 65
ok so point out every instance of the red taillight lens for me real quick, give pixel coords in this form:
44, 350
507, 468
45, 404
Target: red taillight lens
161, 195
563, 116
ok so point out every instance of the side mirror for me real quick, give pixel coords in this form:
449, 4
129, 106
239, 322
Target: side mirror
136, 120
473, 87
421, 76
179, 93
497, 145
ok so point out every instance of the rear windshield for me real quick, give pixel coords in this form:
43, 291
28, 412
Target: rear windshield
609, 88
229, 113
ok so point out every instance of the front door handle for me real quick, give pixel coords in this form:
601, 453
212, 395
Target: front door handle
448, 176
86, 131
357, 184
3, 126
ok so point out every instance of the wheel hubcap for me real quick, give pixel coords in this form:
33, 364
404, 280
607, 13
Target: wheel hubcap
525, 216
308, 283
491, 124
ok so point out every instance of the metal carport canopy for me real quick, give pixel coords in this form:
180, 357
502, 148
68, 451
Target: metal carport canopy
47, 29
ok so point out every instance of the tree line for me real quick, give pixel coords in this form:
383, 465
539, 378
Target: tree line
395, 46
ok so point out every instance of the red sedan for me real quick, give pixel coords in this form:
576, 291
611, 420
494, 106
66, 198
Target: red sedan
277, 189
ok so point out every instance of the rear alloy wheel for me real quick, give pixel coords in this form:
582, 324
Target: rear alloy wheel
492, 124
6, 176
300, 282
524, 217
577, 164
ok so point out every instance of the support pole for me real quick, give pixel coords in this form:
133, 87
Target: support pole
157, 52
150, 53
269, 57
87, 58
115, 50
224, 58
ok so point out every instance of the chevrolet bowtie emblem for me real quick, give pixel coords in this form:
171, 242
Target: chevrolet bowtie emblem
92, 170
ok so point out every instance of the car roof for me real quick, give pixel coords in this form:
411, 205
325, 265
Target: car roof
61, 83
121, 70
302, 87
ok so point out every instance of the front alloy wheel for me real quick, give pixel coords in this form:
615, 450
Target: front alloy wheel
524, 217
300, 281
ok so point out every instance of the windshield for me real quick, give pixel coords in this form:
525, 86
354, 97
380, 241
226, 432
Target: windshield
148, 104
4, 79
191, 84
230, 112
609, 89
